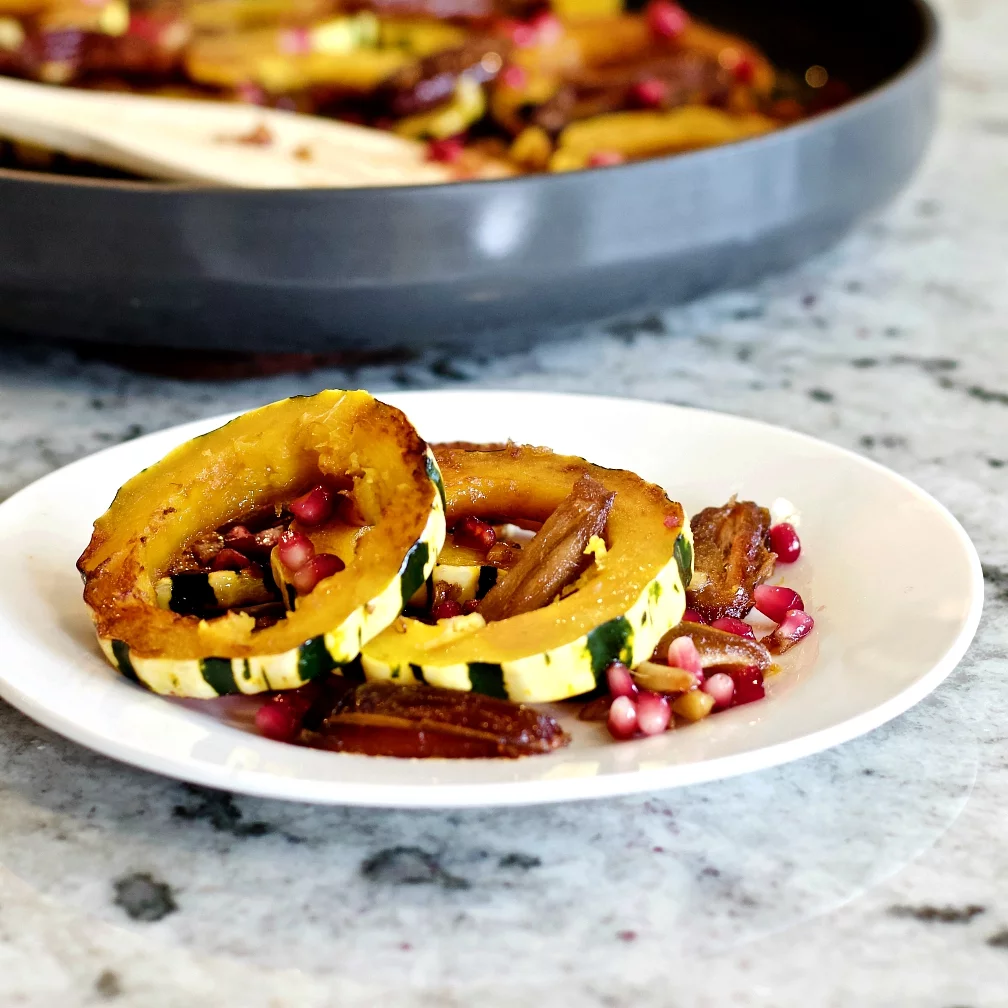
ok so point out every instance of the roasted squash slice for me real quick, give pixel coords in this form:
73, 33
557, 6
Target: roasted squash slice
562, 649
260, 458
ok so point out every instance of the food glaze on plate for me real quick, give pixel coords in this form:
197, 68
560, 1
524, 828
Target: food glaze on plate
891, 577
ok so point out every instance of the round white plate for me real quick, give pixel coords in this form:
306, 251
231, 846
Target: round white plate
892, 579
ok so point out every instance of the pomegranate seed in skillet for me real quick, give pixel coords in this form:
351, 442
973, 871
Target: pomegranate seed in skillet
229, 559
277, 719
775, 600
785, 543
666, 19
605, 159
721, 687
620, 681
622, 719
653, 713
692, 616
295, 549
514, 77
447, 151
473, 532
650, 92
314, 507
321, 566
447, 609
735, 626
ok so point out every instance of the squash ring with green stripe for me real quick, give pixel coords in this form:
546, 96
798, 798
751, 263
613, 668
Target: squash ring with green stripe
263, 457
561, 650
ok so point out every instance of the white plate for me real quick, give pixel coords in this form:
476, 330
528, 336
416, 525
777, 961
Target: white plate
891, 577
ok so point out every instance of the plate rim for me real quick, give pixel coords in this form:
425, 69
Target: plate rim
517, 792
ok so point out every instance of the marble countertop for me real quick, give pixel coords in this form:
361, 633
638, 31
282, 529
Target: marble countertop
875, 874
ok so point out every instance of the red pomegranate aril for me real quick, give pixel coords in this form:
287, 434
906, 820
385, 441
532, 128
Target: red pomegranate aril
622, 720
321, 566
666, 19
548, 28
620, 681
721, 687
795, 625
446, 151
650, 92
295, 549
278, 719
692, 616
314, 507
775, 600
744, 69
605, 159
448, 609
682, 653
748, 685
514, 77
473, 532
653, 713
731, 624
229, 559
785, 543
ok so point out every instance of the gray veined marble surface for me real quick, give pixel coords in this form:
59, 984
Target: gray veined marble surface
872, 875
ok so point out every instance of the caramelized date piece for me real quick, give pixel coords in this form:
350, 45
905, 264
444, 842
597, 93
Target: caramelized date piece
730, 558
555, 557
431, 81
384, 719
717, 648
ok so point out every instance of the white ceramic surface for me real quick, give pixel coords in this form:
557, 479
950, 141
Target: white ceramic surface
891, 577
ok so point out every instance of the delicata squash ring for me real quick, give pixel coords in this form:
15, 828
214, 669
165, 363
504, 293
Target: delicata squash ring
562, 649
262, 457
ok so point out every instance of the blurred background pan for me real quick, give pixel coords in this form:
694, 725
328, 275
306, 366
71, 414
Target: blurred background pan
366, 270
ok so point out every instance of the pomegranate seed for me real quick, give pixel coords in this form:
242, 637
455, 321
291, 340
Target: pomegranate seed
251, 94
682, 653
785, 543
734, 626
295, 41
447, 609
277, 721
295, 549
605, 159
620, 681
473, 532
548, 28
281, 715
314, 507
721, 687
653, 713
514, 77
795, 625
671, 521
650, 92
744, 69
775, 600
229, 559
622, 720
447, 151
239, 538
668, 20
317, 569
692, 616
748, 685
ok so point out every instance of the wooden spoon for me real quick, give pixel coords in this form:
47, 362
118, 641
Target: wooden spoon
209, 141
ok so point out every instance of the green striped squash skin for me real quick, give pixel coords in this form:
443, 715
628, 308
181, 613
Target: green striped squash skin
205, 678
571, 669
